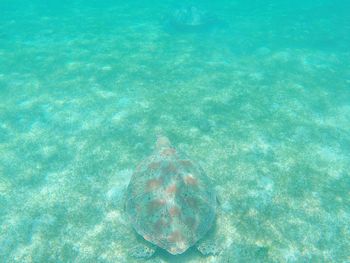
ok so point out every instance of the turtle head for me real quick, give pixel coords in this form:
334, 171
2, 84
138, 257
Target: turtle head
162, 142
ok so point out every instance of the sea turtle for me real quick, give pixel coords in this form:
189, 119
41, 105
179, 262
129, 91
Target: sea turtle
191, 18
170, 203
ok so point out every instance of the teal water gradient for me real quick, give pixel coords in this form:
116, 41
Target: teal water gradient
261, 99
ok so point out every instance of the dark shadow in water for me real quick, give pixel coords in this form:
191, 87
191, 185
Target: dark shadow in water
191, 19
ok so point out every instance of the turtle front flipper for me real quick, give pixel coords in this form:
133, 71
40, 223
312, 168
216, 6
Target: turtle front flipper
143, 250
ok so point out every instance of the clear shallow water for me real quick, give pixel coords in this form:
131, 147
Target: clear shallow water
261, 99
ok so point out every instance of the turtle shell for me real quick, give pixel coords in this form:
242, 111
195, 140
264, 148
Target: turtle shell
170, 201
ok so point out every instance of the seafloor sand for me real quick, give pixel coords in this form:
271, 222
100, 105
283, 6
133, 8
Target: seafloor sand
265, 108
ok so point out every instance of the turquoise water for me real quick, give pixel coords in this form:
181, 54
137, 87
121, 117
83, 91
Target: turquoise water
260, 97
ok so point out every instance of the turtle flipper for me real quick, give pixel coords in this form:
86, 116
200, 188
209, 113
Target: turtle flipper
208, 247
211, 244
144, 251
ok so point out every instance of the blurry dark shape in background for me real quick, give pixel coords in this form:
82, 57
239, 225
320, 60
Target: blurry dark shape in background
190, 19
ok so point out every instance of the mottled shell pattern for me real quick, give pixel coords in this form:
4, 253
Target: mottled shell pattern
170, 201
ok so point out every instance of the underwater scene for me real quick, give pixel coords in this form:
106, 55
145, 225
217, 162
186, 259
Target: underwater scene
174, 131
